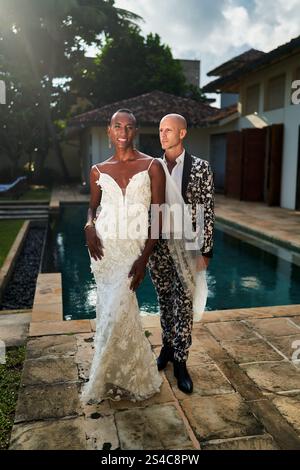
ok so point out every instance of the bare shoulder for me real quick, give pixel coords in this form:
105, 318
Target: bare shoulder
97, 166
156, 168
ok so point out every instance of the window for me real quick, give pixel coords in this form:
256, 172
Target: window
252, 99
274, 97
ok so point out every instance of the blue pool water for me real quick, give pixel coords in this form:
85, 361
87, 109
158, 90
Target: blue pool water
240, 274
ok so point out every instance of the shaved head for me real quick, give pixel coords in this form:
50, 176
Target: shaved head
177, 120
172, 131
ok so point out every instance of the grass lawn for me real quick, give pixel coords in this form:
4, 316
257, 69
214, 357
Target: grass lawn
10, 375
8, 232
33, 193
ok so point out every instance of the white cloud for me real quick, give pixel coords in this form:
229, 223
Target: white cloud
217, 30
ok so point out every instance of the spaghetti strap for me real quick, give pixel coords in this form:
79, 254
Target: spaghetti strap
95, 166
150, 164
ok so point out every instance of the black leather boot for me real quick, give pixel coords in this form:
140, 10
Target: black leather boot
166, 355
184, 381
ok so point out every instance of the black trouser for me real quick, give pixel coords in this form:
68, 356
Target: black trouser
176, 306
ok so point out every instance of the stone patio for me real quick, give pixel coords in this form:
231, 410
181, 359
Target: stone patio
275, 224
246, 390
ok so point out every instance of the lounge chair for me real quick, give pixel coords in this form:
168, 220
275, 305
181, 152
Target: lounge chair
14, 189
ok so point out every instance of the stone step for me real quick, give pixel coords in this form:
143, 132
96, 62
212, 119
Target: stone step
26, 213
19, 212
27, 216
21, 202
5, 207
23, 211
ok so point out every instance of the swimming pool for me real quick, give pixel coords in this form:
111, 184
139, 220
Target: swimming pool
241, 274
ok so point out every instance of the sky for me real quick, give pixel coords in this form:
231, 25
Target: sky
214, 31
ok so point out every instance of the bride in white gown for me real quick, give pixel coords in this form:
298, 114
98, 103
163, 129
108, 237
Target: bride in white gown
123, 366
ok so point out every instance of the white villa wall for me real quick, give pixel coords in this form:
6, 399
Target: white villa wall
197, 141
289, 116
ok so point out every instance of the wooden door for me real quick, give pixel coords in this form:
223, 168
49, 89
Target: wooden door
234, 164
254, 158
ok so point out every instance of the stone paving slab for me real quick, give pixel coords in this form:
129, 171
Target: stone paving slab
287, 345
274, 327
101, 433
84, 354
207, 380
229, 331
220, 417
296, 320
63, 434
45, 278
155, 427
150, 321
45, 328
15, 319
291, 311
263, 442
14, 328
51, 346
198, 356
289, 407
41, 402
251, 350
47, 295
276, 424
49, 371
47, 311
274, 377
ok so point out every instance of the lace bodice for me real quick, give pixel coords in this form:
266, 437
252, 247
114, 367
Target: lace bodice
137, 189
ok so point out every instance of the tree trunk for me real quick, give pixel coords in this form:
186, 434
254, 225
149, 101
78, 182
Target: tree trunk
53, 135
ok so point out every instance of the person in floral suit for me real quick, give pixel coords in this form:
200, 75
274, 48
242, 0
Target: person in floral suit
194, 179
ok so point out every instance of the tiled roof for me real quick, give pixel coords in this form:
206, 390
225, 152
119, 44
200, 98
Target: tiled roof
230, 82
235, 63
223, 113
148, 109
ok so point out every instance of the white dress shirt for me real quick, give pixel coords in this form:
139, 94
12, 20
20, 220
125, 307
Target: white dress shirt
177, 171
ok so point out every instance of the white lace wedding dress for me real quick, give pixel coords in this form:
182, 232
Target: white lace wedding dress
123, 366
